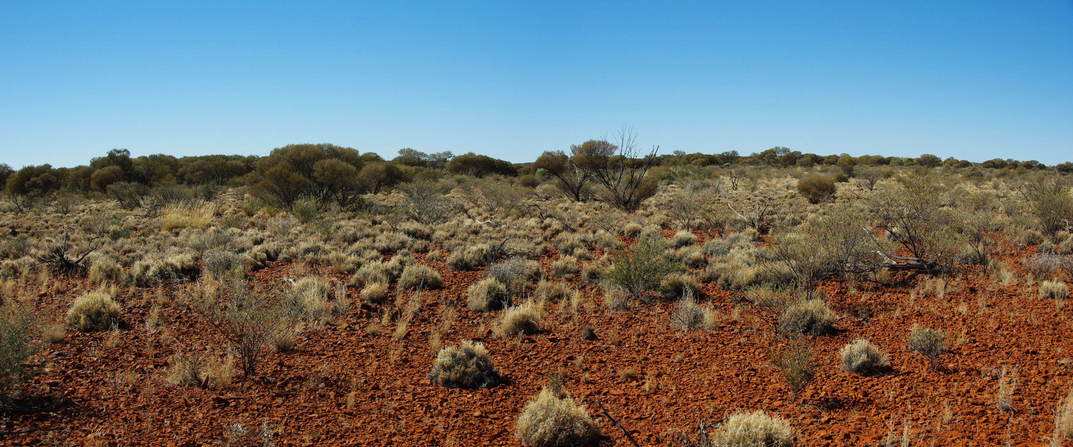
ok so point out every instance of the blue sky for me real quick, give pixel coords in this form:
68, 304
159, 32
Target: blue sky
970, 79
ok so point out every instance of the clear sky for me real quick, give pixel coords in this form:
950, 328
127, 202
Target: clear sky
970, 79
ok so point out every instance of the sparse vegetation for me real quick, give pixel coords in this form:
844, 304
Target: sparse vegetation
861, 357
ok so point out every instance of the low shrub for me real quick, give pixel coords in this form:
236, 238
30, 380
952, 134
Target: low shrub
861, 357
807, 316
105, 269
554, 420
816, 188
308, 298
641, 267
464, 366
16, 345
418, 276
516, 274
93, 311
928, 342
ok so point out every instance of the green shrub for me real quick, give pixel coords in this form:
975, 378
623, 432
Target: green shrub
816, 188
554, 420
641, 267
17, 345
464, 366
93, 311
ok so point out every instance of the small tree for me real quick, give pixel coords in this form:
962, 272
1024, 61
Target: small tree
619, 168
570, 179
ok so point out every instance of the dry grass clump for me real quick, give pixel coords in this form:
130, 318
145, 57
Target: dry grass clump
565, 267
183, 266
516, 274
201, 371
717, 247
679, 285
372, 273
1055, 290
187, 215
524, 318
105, 269
375, 293
487, 294
808, 316
862, 357
93, 311
689, 315
616, 297
683, 238
767, 296
464, 366
1063, 421
418, 276
220, 263
471, 257
753, 429
309, 298
555, 420
929, 342
691, 256
553, 291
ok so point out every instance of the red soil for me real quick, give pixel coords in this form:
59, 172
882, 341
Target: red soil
350, 383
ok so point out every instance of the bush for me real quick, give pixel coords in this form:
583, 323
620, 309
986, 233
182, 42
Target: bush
251, 322
684, 238
861, 357
464, 366
105, 269
755, 429
1055, 290
641, 267
16, 345
808, 316
816, 188
521, 319
471, 257
417, 276
487, 294
689, 315
929, 342
94, 311
220, 263
554, 420
795, 364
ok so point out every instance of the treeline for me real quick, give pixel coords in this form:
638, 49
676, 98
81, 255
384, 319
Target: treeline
327, 171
